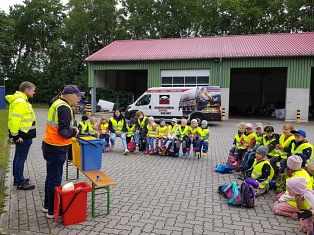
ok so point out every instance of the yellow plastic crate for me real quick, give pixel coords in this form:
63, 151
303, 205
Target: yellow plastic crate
76, 150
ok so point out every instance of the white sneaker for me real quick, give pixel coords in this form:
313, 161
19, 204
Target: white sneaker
136, 150
49, 216
44, 210
112, 147
126, 152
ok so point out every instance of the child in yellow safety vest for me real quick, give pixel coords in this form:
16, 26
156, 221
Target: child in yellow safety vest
93, 127
194, 131
172, 134
203, 139
262, 170
151, 135
279, 162
246, 141
237, 137
286, 204
130, 130
162, 134
82, 126
182, 137
103, 130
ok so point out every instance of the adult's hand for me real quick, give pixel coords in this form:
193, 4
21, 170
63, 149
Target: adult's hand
76, 129
118, 133
19, 140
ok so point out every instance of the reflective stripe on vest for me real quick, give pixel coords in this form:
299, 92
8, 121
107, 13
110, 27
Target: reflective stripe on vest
117, 126
163, 131
257, 172
142, 123
151, 132
284, 143
300, 148
52, 136
130, 130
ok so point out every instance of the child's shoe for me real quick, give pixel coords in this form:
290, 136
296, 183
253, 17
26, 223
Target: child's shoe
107, 149
151, 151
171, 149
146, 151
176, 154
184, 155
204, 154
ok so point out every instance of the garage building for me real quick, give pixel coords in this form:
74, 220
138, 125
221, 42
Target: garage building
265, 70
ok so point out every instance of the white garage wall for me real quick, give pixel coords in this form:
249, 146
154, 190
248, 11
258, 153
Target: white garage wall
297, 98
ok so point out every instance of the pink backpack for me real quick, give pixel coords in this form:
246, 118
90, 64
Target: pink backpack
131, 145
232, 162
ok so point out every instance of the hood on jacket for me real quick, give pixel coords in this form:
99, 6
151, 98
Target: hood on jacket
18, 94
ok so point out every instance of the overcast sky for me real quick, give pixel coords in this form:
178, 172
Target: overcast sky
5, 4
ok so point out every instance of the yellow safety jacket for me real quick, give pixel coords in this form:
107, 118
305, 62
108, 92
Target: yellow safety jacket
257, 172
130, 130
91, 128
184, 132
274, 152
237, 138
151, 132
194, 131
163, 131
84, 126
300, 148
21, 114
309, 184
52, 136
247, 139
284, 143
205, 134
142, 123
174, 129
117, 126
104, 127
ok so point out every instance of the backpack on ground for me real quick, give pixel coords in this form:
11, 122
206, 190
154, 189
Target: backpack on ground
131, 145
232, 162
248, 187
232, 192
164, 151
223, 169
171, 153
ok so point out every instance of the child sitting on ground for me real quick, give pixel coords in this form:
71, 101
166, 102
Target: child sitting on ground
151, 135
194, 131
250, 154
262, 170
93, 127
300, 146
103, 130
162, 134
241, 130
283, 148
182, 136
83, 125
203, 139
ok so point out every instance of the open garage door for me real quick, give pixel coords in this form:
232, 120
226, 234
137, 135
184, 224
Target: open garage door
257, 91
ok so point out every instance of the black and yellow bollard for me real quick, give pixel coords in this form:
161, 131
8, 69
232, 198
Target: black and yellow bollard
298, 116
88, 109
223, 114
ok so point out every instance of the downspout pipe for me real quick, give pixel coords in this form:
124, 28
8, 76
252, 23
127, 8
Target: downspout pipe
220, 70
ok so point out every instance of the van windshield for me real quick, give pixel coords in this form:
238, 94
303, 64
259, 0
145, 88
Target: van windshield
144, 100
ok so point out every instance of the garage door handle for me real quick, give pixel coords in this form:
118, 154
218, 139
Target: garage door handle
149, 106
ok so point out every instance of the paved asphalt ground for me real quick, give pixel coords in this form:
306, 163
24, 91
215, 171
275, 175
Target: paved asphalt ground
153, 195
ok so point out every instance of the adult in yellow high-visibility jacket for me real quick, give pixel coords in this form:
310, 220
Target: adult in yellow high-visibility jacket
117, 127
141, 122
57, 140
22, 128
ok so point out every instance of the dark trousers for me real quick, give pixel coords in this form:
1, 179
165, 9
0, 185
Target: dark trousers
238, 153
54, 168
20, 156
106, 137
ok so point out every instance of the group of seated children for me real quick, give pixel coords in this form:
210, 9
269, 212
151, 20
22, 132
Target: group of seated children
176, 135
266, 156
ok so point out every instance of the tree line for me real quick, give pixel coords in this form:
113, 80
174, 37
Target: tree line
46, 42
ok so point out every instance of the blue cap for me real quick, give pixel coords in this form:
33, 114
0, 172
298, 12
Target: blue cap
72, 89
161, 120
300, 132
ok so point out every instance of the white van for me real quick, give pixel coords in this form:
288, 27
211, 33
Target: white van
201, 103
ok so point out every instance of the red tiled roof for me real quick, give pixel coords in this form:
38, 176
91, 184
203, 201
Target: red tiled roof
259, 45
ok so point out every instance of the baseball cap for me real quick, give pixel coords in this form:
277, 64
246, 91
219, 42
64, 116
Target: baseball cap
174, 120
72, 89
269, 129
258, 124
248, 125
299, 131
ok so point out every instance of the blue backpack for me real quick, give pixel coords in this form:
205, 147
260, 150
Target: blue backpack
231, 191
223, 169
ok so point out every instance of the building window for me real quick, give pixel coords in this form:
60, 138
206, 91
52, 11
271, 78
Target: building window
184, 78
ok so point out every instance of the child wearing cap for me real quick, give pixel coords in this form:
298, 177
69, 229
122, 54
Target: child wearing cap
162, 133
250, 154
151, 135
203, 139
182, 136
172, 134
83, 125
246, 141
194, 131
262, 170
103, 130
130, 130
93, 127
286, 204
283, 148
237, 137
300, 146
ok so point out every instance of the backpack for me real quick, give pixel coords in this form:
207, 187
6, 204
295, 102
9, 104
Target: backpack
248, 187
131, 145
169, 153
232, 192
281, 183
164, 151
223, 169
232, 162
